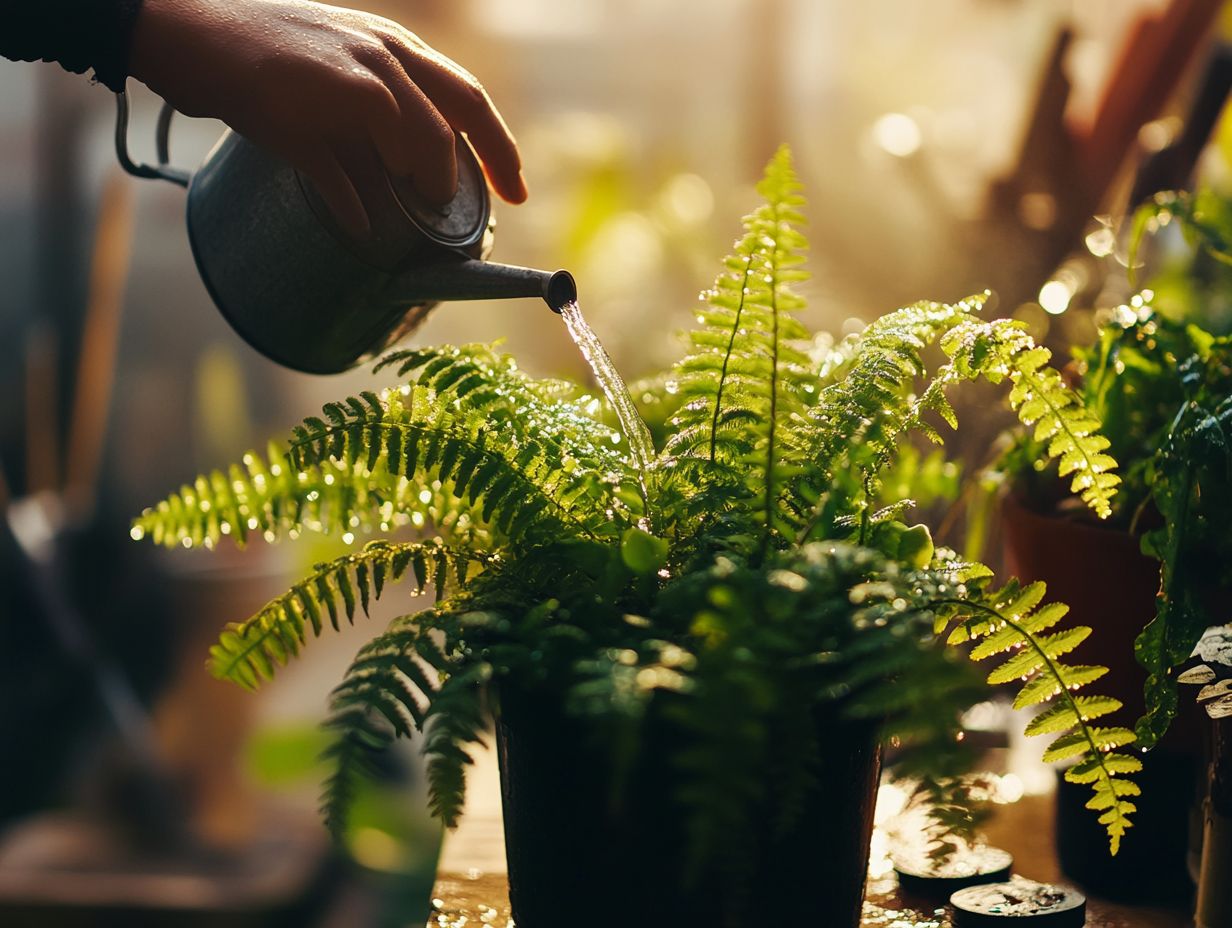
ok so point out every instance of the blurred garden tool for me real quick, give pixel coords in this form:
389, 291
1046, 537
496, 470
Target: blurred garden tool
1171, 166
59, 499
139, 855
1037, 214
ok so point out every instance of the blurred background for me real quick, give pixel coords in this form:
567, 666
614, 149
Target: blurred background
945, 147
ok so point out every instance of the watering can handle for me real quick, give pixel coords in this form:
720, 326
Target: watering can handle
163, 171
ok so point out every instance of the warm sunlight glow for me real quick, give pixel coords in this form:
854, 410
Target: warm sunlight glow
898, 134
1054, 296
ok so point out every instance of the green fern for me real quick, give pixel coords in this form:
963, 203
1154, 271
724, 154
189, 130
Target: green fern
455, 720
1160, 378
437, 451
1011, 621
1190, 487
485, 381
523, 487
855, 429
753, 575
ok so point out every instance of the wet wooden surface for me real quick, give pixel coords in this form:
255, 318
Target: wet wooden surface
473, 892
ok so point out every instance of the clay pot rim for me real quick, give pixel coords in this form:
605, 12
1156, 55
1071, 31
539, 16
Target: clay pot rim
1013, 499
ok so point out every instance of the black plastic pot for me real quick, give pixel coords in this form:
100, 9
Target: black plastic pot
581, 852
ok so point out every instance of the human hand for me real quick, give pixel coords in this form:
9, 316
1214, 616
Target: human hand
323, 88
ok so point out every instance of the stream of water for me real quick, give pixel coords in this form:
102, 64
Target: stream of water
611, 382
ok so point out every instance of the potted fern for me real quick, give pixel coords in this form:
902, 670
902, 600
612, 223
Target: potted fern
1151, 577
693, 652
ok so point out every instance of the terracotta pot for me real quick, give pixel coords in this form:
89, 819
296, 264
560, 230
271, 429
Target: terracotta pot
1110, 586
582, 853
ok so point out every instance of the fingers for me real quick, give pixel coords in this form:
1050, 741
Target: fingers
411, 135
463, 102
335, 188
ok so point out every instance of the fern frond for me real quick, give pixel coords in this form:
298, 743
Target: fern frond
395, 686
1008, 625
1001, 349
471, 441
541, 483
853, 429
455, 719
249, 652
483, 382
748, 366
352, 760
267, 496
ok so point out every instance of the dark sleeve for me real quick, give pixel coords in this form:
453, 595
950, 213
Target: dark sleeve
79, 34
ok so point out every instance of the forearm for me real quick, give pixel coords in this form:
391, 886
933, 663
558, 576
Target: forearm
79, 34
332, 91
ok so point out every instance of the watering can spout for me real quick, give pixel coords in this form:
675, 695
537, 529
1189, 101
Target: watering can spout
559, 290
473, 279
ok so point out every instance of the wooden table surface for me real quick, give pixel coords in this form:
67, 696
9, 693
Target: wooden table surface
473, 891
483, 899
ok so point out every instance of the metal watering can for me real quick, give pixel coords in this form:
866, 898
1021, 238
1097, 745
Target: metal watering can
300, 290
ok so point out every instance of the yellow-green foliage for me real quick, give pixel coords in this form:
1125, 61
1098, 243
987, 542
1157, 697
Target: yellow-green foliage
1010, 624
